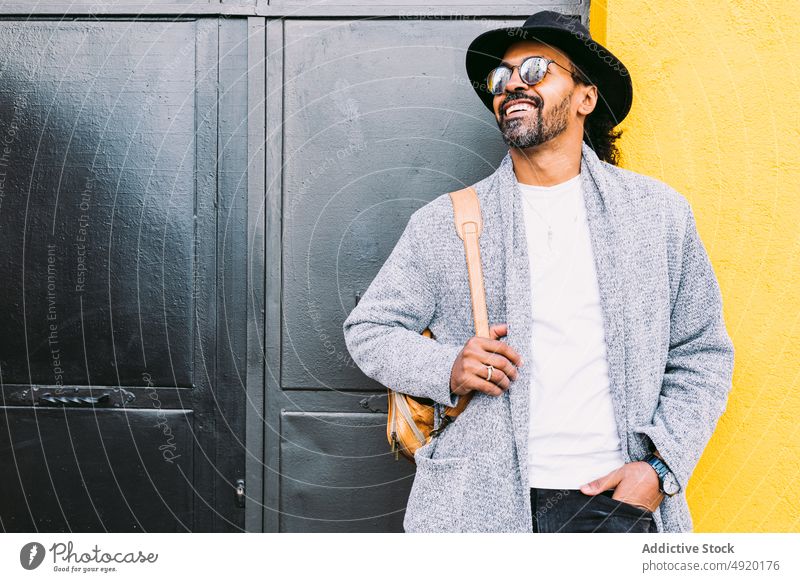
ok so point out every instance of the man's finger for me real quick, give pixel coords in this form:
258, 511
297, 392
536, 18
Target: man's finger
497, 347
502, 363
499, 377
489, 388
498, 330
609, 481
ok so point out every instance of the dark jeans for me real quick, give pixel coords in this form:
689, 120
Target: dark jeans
570, 511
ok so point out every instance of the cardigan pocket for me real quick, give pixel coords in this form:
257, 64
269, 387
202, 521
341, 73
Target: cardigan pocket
436, 500
494, 498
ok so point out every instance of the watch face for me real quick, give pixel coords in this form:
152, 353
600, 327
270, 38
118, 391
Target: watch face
671, 486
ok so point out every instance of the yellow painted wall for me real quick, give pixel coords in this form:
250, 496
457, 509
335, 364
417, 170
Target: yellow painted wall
715, 115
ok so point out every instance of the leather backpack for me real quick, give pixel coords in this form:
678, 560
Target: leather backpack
411, 420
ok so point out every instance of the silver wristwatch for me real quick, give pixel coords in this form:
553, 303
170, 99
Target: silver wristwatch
667, 483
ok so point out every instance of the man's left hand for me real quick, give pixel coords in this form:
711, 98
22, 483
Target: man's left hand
635, 483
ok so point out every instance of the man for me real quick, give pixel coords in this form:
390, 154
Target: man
610, 363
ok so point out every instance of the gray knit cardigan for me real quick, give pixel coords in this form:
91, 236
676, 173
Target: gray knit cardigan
669, 355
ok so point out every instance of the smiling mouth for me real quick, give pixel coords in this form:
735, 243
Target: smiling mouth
518, 109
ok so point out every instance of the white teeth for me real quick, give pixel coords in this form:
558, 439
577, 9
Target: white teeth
518, 107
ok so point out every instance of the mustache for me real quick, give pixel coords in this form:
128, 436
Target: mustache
537, 101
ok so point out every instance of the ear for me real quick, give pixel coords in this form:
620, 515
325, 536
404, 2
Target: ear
588, 99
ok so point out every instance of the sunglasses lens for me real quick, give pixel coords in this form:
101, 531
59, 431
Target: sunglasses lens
533, 70
497, 80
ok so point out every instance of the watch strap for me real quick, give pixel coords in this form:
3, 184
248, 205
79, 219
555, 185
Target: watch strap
661, 469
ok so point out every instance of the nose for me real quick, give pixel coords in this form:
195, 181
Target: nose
515, 83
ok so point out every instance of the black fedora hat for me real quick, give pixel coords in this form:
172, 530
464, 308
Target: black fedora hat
563, 32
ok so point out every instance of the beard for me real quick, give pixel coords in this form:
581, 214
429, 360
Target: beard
534, 129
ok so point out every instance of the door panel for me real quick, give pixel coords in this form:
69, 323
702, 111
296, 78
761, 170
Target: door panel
97, 217
337, 475
96, 470
117, 412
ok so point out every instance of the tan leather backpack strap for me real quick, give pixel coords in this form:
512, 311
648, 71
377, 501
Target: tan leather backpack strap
469, 224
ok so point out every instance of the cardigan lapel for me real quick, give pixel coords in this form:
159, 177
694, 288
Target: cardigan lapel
603, 202
599, 203
518, 308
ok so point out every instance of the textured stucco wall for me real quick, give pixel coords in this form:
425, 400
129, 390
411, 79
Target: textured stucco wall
715, 115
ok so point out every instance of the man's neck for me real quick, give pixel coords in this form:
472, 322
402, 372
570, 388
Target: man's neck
547, 164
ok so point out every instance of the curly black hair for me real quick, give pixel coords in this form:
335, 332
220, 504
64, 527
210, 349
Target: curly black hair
598, 129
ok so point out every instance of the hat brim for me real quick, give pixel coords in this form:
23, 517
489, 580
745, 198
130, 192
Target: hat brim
597, 63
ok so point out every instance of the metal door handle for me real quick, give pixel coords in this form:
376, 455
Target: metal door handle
74, 400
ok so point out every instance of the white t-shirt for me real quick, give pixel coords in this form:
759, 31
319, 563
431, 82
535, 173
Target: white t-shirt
573, 436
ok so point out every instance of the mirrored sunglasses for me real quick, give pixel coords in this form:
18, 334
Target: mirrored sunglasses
532, 70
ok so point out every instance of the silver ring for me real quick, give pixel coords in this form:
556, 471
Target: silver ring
489, 375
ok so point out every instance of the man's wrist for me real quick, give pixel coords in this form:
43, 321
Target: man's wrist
667, 483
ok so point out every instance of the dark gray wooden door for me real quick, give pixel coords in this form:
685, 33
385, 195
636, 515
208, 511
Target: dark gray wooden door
121, 317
